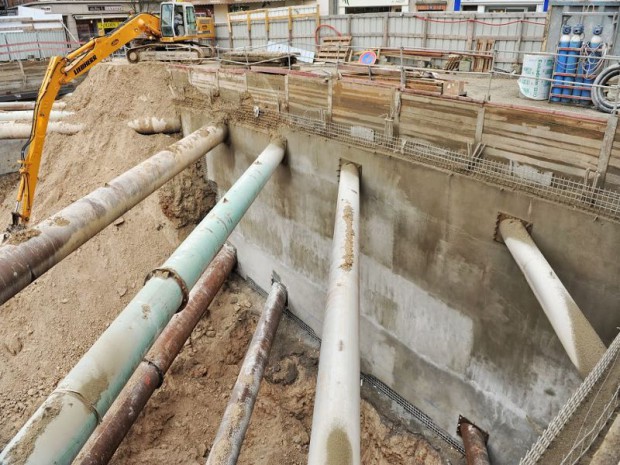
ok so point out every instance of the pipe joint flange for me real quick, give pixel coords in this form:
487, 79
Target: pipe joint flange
166, 273
160, 373
464, 421
501, 216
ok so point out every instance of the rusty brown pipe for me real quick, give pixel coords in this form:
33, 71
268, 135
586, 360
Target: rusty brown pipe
230, 435
475, 443
149, 375
28, 254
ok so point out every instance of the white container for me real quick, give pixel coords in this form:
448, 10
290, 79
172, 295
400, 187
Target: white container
536, 67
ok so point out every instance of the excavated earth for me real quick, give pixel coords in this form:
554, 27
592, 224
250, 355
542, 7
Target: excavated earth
47, 327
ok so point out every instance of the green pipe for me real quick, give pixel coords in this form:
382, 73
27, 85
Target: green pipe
62, 424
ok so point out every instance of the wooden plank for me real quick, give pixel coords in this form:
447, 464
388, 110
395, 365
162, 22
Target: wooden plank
536, 150
561, 141
563, 124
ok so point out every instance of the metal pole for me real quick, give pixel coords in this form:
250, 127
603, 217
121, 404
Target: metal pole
336, 419
230, 434
49, 242
149, 375
579, 339
475, 443
403, 78
60, 427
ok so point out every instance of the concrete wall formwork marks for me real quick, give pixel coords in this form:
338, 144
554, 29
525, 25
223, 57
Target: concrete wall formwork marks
447, 319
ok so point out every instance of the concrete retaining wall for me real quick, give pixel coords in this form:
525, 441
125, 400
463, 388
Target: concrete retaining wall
448, 320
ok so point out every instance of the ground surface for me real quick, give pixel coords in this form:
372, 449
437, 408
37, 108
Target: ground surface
47, 327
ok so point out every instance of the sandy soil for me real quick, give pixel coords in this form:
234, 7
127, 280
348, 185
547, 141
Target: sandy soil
47, 327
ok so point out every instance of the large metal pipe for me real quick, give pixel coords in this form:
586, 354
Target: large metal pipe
15, 106
29, 254
336, 420
62, 424
153, 125
583, 346
22, 130
236, 419
474, 442
26, 115
149, 375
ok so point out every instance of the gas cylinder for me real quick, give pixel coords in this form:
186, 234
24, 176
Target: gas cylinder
572, 59
591, 62
560, 62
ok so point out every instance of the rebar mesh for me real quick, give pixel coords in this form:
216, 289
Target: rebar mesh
597, 377
576, 193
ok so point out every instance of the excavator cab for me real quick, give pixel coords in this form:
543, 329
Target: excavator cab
178, 20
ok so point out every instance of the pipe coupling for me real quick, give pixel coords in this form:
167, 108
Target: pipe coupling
166, 273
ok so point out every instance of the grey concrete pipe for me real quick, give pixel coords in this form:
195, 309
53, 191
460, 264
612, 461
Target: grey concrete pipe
335, 434
16, 106
583, 346
28, 254
10, 130
26, 115
153, 125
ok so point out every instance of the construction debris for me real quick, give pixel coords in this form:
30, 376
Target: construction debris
264, 58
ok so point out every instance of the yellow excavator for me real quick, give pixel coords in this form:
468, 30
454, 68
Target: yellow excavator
174, 35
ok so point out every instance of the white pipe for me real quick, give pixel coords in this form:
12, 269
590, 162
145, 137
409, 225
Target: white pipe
22, 130
336, 420
154, 125
26, 115
12, 106
582, 344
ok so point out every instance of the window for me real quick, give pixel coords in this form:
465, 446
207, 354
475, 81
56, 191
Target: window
366, 9
191, 21
167, 13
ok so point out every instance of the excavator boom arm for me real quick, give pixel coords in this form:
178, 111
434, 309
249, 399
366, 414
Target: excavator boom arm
62, 70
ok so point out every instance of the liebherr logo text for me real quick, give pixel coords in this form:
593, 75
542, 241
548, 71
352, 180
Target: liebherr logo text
84, 65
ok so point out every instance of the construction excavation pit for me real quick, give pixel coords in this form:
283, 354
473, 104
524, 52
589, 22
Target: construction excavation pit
286, 267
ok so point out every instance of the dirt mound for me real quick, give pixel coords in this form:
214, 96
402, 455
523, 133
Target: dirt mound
48, 326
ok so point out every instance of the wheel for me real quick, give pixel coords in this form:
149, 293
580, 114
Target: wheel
133, 56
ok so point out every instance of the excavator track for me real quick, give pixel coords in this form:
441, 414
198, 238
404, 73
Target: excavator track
181, 52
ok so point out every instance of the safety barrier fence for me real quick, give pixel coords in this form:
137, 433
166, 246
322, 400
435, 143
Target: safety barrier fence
589, 410
439, 30
560, 189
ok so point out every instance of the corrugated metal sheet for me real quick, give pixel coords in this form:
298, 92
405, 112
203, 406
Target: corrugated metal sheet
32, 44
450, 31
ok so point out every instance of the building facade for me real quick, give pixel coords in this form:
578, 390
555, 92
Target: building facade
87, 19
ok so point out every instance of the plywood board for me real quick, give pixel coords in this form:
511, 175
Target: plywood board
361, 105
307, 96
443, 122
563, 144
